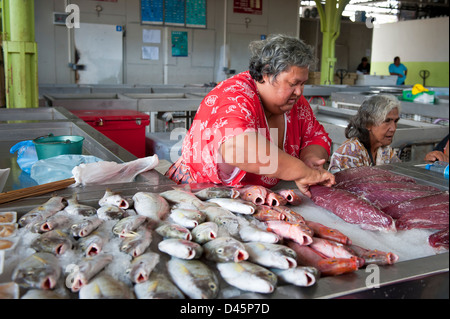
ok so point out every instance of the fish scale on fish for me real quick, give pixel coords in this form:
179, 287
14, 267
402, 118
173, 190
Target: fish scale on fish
180, 248
110, 212
128, 224
158, 286
137, 242
86, 226
142, 266
225, 249
302, 276
217, 192
104, 286
53, 222
186, 217
170, 230
112, 198
271, 255
55, 241
152, 205
205, 232
92, 244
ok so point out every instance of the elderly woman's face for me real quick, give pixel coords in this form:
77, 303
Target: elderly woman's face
383, 134
280, 96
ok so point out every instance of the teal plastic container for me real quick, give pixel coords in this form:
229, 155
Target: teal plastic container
50, 146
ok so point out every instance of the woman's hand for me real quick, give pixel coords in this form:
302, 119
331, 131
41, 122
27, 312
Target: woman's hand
436, 156
316, 176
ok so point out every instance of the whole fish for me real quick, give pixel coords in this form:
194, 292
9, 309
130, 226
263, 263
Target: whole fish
53, 222
291, 196
374, 256
110, 212
128, 224
137, 242
40, 270
236, 205
115, 199
254, 193
86, 226
217, 192
252, 233
42, 212
248, 276
328, 233
213, 211
302, 276
74, 208
230, 223
180, 196
330, 248
299, 233
271, 255
274, 199
290, 215
205, 232
80, 274
225, 249
105, 286
158, 286
265, 213
151, 205
169, 230
142, 266
180, 248
93, 244
187, 217
193, 278
55, 241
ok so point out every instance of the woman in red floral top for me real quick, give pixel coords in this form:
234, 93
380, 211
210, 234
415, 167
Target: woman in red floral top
256, 127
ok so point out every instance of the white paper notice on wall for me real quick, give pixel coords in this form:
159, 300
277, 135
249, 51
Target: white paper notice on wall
150, 53
151, 36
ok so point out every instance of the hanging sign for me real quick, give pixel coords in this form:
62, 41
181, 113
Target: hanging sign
247, 6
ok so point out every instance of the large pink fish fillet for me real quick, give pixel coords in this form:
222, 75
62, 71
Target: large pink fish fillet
439, 240
397, 210
352, 208
435, 217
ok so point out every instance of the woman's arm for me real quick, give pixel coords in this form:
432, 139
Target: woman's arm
253, 153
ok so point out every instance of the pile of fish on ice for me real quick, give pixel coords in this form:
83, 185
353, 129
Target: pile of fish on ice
378, 199
177, 244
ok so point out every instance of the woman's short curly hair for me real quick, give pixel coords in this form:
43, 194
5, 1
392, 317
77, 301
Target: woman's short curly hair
277, 54
373, 111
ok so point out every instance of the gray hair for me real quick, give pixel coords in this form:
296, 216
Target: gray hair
373, 111
278, 53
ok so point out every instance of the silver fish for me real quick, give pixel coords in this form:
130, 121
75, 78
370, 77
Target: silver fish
217, 192
42, 212
128, 224
151, 205
193, 278
302, 276
248, 276
271, 255
92, 244
186, 217
86, 226
205, 232
105, 286
40, 270
236, 205
76, 209
158, 286
180, 196
115, 199
55, 241
169, 230
142, 266
53, 222
252, 233
110, 212
225, 249
80, 274
137, 242
213, 211
230, 223
180, 248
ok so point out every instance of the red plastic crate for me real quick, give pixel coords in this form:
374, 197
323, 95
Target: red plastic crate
125, 127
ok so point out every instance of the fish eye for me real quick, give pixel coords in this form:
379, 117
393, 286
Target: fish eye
212, 286
220, 250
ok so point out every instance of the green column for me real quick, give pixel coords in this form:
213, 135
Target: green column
20, 54
330, 24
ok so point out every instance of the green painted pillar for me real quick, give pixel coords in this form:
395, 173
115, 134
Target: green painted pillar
20, 54
330, 24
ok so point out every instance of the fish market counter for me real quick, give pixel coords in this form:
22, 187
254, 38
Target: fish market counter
420, 272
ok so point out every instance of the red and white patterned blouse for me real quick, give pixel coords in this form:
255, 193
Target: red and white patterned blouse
232, 108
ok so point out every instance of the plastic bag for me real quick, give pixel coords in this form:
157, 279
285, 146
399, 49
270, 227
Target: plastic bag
59, 167
26, 155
